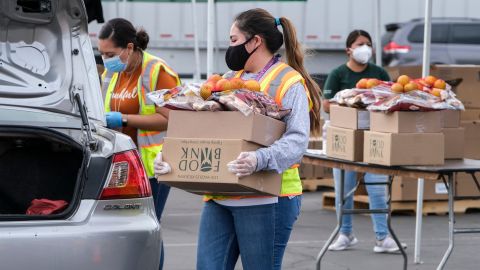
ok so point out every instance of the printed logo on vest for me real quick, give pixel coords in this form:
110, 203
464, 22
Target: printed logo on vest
203, 159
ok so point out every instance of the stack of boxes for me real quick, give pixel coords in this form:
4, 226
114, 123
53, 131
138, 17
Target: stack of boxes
467, 89
395, 139
199, 145
405, 188
405, 138
469, 92
346, 131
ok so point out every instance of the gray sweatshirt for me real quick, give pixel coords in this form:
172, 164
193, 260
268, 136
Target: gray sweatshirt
289, 149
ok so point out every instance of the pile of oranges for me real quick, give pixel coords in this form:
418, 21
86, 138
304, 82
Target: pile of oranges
217, 83
367, 83
405, 84
430, 83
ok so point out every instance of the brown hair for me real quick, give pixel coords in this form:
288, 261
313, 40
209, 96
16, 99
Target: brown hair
352, 37
260, 22
122, 32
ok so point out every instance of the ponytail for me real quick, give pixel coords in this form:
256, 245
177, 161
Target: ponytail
295, 56
260, 22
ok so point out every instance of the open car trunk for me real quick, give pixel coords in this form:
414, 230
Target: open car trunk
38, 163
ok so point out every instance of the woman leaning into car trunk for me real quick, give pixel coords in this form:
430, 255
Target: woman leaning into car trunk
130, 74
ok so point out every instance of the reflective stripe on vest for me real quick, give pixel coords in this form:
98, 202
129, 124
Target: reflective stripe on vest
276, 83
149, 142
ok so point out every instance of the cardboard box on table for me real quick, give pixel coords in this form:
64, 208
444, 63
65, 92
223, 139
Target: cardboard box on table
199, 145
454, 142
450, 118
404, 148
406, 122
343, 143
472, 139
351, 118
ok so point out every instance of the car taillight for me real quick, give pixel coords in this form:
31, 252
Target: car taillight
127, 178
393, 47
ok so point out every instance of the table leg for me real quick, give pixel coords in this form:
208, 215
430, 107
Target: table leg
418, 223
451, 221
389, 222
334, 234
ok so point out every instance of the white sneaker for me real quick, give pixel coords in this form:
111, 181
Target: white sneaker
387, 245
343, 242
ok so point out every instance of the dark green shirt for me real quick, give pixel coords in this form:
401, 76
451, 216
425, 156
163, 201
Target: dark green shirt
344, 78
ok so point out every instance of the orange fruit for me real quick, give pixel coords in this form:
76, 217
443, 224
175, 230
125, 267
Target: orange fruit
206, 90
436, 92
403, 80
440, 84
361, 84
214, 78
237, 83
397, 88
430, 80
223, 85
410, 87
372, 83
252, 85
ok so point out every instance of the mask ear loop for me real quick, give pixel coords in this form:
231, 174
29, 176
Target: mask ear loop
248, 40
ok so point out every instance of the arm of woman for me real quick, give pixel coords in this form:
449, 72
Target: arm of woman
289, 149
159, 120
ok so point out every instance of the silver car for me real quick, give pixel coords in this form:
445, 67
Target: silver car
453, 41
54, 146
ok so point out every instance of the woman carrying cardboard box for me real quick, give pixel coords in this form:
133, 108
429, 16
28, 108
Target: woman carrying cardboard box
359, 51
258, 228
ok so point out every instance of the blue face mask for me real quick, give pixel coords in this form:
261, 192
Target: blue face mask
114, 64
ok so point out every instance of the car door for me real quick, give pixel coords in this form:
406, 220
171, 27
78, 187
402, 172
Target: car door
438, 47
464, 43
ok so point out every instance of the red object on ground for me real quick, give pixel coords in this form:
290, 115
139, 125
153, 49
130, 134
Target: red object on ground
46, 207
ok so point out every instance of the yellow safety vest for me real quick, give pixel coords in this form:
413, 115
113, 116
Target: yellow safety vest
149, 142
275, 83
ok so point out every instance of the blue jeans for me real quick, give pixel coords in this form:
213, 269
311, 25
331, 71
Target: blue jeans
376, 195
160, 194
259, 234
287, 212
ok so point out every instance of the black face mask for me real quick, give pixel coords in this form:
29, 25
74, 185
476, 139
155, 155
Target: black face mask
237, 56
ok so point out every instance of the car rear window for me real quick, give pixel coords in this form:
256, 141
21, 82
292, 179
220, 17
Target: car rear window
439, 33
465, 34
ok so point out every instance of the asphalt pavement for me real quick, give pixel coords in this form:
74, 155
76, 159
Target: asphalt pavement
182, 215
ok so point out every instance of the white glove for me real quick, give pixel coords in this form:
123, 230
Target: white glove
159, 166
244, 165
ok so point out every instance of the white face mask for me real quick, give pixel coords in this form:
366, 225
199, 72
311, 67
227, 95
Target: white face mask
362, 54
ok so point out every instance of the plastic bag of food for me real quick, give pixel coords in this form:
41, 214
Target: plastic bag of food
210, 105
178, 98
358, 98
416, 100
247, 101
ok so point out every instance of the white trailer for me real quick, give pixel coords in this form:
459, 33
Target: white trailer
322, 25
